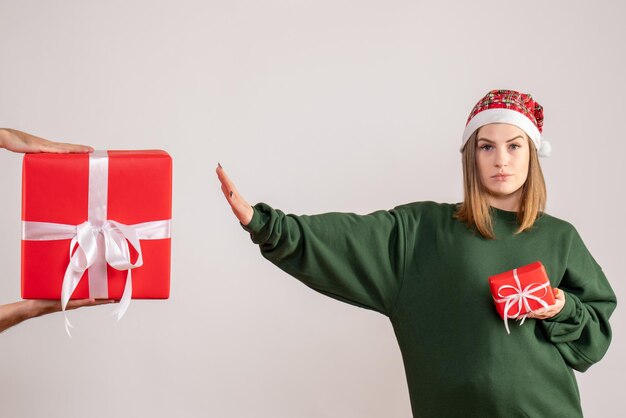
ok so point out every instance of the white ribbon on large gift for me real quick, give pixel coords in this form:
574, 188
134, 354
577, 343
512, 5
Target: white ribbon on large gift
520, 297
98, 241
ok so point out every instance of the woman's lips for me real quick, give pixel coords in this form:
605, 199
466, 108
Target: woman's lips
501, 177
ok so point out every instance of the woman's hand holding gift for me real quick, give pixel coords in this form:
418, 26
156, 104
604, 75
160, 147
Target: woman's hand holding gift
552, 310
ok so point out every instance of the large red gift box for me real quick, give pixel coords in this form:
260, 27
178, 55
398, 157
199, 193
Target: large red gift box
519, 291
127, 194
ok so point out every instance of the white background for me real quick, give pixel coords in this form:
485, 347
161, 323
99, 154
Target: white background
311, 106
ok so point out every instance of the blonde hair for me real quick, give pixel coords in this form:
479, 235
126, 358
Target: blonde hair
475, 209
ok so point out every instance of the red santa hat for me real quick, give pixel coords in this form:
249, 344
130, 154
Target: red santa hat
515, 108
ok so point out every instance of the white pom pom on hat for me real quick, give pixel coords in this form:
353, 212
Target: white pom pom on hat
513, 107
546, 148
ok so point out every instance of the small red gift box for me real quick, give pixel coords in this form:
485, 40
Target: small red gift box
91, 219
519, 291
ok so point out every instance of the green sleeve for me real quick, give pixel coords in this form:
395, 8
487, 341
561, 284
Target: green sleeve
581, 331
358, 259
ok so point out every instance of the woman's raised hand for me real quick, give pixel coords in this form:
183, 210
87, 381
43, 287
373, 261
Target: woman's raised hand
242, 209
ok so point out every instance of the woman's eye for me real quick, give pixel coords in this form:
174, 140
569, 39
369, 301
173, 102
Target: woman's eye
486, 147
515, 146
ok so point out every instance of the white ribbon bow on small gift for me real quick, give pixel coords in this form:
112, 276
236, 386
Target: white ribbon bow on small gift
98, 242
520, 297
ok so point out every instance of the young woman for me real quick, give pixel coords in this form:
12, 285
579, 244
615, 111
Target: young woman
14, 313
426, 266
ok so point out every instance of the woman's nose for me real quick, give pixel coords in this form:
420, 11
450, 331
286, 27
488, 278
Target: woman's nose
502, 158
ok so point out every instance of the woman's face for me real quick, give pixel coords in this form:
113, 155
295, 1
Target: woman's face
502, 158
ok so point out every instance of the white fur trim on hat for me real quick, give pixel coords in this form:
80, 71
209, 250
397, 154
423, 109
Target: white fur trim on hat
503, 115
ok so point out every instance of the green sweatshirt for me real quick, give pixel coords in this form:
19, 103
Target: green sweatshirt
428, 273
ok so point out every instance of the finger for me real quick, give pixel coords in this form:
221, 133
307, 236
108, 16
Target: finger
225, 191
59, 147
76, 148
80, 303
561, 295
225, 180
77, 303
103, 302
549, 313
237, 205
230, 193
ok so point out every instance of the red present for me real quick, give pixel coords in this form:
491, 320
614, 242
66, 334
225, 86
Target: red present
91, 219
520, 291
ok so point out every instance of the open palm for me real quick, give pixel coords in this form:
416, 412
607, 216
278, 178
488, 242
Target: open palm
242, 209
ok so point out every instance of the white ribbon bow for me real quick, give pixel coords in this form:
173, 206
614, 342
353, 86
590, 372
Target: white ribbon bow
520, 297
84, 251
117, 254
